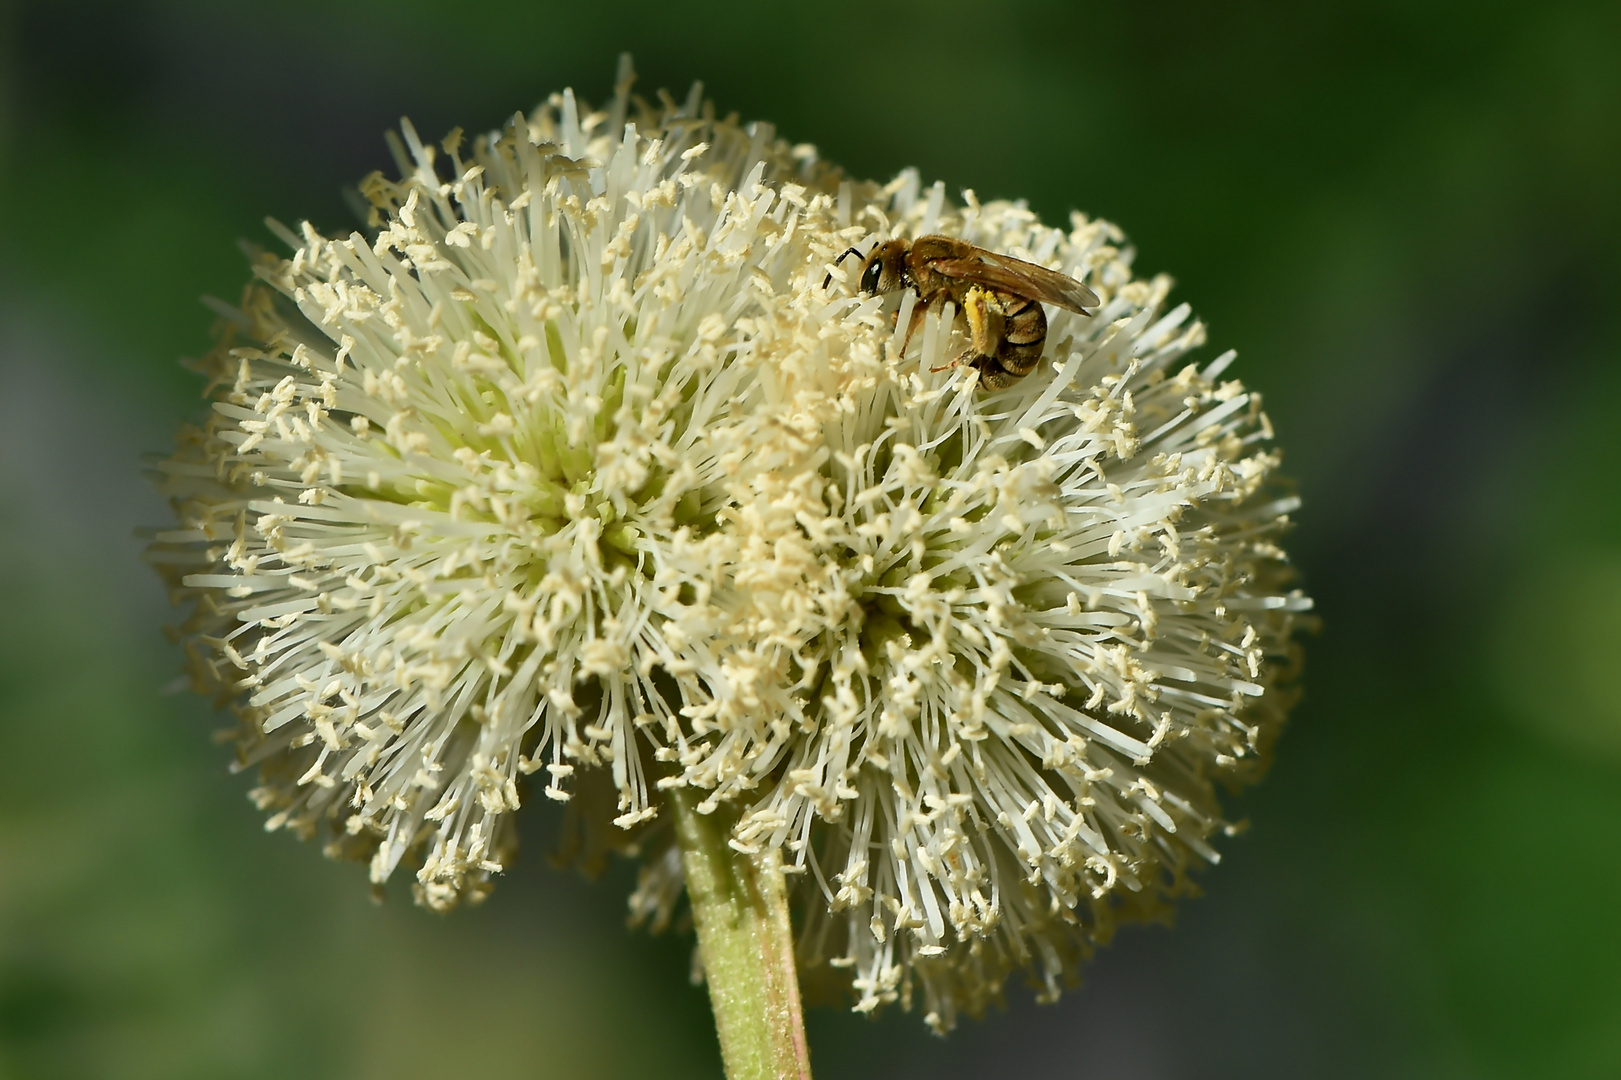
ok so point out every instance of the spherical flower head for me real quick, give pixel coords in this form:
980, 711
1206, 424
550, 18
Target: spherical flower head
592, 464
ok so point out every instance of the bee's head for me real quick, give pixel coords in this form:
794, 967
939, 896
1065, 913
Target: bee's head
885, 269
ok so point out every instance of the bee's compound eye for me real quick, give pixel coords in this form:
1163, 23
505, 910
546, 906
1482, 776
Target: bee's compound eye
870, 276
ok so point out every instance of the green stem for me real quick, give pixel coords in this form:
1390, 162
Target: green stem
740, 907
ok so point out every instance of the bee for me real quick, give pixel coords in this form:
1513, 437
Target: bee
998, 296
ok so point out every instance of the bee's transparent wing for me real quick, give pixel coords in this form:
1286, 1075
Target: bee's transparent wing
1010, 275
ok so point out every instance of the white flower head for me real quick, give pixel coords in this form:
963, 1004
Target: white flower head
575, 468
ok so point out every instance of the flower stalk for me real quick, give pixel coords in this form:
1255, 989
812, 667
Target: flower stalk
740, 909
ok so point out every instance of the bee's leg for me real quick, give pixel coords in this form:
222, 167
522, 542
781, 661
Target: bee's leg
987, 322
919, 310
983, 313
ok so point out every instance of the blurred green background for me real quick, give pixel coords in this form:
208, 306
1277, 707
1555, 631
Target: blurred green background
1405, 217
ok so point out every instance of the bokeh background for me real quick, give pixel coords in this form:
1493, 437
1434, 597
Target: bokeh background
1403, 213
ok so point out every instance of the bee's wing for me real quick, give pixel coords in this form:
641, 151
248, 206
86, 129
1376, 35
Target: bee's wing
1010, 275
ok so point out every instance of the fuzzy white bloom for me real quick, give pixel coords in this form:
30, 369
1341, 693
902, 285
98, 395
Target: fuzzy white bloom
575, 468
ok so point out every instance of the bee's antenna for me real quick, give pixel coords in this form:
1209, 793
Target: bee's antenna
847, 253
